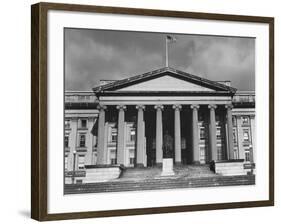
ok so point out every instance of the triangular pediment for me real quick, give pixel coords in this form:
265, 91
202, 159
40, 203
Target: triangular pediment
164, 80
165, 83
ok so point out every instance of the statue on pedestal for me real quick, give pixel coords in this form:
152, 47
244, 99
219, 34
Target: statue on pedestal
168, 163
167, 145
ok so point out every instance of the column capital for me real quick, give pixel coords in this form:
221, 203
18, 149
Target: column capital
229, 106
159, 107
101, 107
140, 107
212, 106
121, 107
177, 106
194, 106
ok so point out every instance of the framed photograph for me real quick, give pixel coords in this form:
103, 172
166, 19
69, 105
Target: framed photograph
138, 111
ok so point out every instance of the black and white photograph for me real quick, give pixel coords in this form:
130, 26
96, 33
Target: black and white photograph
154, 111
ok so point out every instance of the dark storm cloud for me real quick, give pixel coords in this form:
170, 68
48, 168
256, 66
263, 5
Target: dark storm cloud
91, 55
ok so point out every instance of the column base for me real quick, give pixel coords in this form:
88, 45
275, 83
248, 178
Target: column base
178, 163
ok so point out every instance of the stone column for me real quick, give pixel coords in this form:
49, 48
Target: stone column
241, 153
177, 122
101, 145
140, 136
159, 134
230, 148
121, 135
89, 142
72, 143
195, 134
212, 132
106, 153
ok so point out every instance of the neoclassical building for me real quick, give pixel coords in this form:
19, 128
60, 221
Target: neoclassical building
128, 121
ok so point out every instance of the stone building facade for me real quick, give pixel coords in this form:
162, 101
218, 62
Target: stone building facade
124, 121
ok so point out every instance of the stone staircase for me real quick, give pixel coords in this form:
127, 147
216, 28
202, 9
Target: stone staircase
136, 179
155, 172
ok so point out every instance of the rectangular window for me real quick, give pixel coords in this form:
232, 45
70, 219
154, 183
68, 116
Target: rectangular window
132, 160
246, 136
113, 161
133, 135
247, 156
67, 124
79, 181
201, 116
245, 120
202, 133
235, 153
218, 133
234, 136
81, 162
202, 152
81, 98
83, 123
234, 121
113, 135
82, 140
66, 141
65, 162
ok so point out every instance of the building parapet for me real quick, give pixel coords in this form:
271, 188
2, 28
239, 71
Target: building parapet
244, 97
79, 97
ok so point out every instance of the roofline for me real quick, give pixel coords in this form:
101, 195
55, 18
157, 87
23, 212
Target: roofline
151, 74
164, 93
79, 91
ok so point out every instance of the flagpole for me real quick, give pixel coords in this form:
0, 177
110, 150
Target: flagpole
167, 62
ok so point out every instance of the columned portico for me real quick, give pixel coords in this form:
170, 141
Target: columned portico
140, 137
195, 134
230, 149
139, 142
177, 124
121, 135
101, 159
159, 134
212, 132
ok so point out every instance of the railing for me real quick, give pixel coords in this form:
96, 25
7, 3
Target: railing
80, 97
76, 173
244, 97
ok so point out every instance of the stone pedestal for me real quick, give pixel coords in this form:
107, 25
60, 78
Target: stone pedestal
102, 173
230, 167
167, 167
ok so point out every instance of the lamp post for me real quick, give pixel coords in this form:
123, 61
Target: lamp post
73, 173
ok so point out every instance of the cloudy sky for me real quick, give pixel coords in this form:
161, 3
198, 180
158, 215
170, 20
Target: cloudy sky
91, 55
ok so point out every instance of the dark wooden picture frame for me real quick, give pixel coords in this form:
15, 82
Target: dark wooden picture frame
39, 106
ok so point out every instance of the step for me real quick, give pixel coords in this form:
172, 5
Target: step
159, 184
